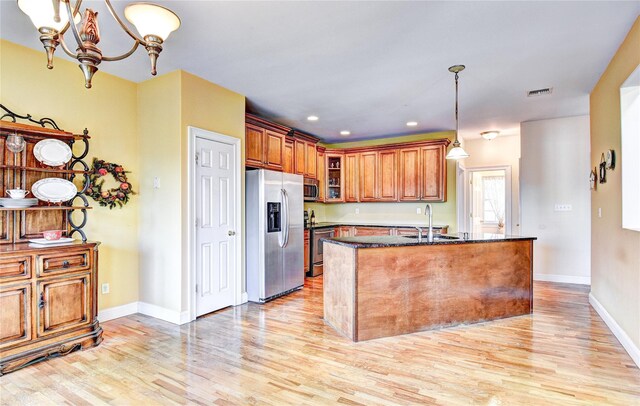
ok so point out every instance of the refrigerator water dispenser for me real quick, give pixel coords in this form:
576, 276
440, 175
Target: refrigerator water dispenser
273, 217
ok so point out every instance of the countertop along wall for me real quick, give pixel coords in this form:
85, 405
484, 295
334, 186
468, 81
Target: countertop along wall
393, 213
108, 110
615, 252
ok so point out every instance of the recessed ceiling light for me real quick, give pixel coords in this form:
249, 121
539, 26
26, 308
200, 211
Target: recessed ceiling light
412, 123
345, 132
312, 118
489, 135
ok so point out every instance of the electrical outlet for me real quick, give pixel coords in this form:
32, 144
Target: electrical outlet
357, 211
418, 210
105, 288
156, 182
600, 212
563, 207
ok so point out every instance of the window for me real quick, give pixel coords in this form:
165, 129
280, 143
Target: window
493, 199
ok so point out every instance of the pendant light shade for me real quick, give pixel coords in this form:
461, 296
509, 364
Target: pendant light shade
457, 152
46, 14
151, 19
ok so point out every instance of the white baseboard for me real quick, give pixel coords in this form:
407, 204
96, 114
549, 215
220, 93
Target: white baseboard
627, 344
580, 280
117, 311
172, 316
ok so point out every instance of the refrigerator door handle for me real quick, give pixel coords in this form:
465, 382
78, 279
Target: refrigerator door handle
285, 210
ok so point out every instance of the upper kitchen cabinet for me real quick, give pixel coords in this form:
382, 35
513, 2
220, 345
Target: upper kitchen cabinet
388, 175
378, 175
423, 172
264, 143
433, 184
367, 168
288, 164
334, 177
305, 154
351, 180
322, 174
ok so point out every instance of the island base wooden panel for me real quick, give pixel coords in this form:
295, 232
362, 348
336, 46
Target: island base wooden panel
282, 353
400, 290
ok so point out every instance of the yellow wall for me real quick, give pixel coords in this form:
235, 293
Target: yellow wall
108, 111
393, 213
159, 238
213, 108
144, 128
615, 252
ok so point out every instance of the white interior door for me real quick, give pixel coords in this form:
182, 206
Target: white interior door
215, 225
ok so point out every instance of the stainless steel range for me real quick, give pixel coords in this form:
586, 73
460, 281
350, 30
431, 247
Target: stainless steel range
316, 249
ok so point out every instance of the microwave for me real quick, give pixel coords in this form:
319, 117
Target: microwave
311, 190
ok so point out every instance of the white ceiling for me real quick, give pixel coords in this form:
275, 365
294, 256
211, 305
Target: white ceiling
369, 67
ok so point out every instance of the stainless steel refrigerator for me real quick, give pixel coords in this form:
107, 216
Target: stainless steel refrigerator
275, 234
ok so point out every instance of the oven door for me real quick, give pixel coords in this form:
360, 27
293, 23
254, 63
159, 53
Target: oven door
318, 235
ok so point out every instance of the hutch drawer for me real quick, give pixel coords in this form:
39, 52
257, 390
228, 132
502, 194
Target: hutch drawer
15, 268
64, 262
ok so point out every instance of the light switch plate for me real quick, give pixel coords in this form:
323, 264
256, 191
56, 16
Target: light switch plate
357, 211
156, 182
563, 207
105, 288
418, 210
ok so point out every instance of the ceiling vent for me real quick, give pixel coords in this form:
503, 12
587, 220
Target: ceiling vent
539, 92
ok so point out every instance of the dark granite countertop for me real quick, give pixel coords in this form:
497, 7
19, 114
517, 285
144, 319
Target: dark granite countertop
397, 241
331, 224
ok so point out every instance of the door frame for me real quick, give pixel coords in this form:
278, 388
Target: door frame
193, 133
465, 209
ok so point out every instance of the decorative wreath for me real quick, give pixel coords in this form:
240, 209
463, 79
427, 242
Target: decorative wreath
112, 197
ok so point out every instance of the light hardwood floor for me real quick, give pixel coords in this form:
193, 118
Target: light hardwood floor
283, 353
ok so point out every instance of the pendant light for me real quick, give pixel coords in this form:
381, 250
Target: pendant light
457, 152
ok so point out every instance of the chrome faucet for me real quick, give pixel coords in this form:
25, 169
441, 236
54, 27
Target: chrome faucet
428, 211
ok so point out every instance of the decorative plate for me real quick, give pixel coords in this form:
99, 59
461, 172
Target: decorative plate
17, 203
52, 152
54, 190
42, 241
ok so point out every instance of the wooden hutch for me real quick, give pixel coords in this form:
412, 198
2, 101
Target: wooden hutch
48, 294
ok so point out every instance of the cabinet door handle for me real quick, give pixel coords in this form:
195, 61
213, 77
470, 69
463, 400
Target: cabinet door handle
41, 302
65, 264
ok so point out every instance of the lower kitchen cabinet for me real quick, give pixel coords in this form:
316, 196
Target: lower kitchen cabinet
48, 302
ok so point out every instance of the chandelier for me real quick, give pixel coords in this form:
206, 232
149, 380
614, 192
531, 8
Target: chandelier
457, 152
154, 24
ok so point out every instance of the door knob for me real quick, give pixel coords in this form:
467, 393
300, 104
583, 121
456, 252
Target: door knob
231, 233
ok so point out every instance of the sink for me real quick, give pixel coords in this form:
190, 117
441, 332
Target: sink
435, 237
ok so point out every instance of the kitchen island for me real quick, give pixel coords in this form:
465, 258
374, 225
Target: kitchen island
380, 286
